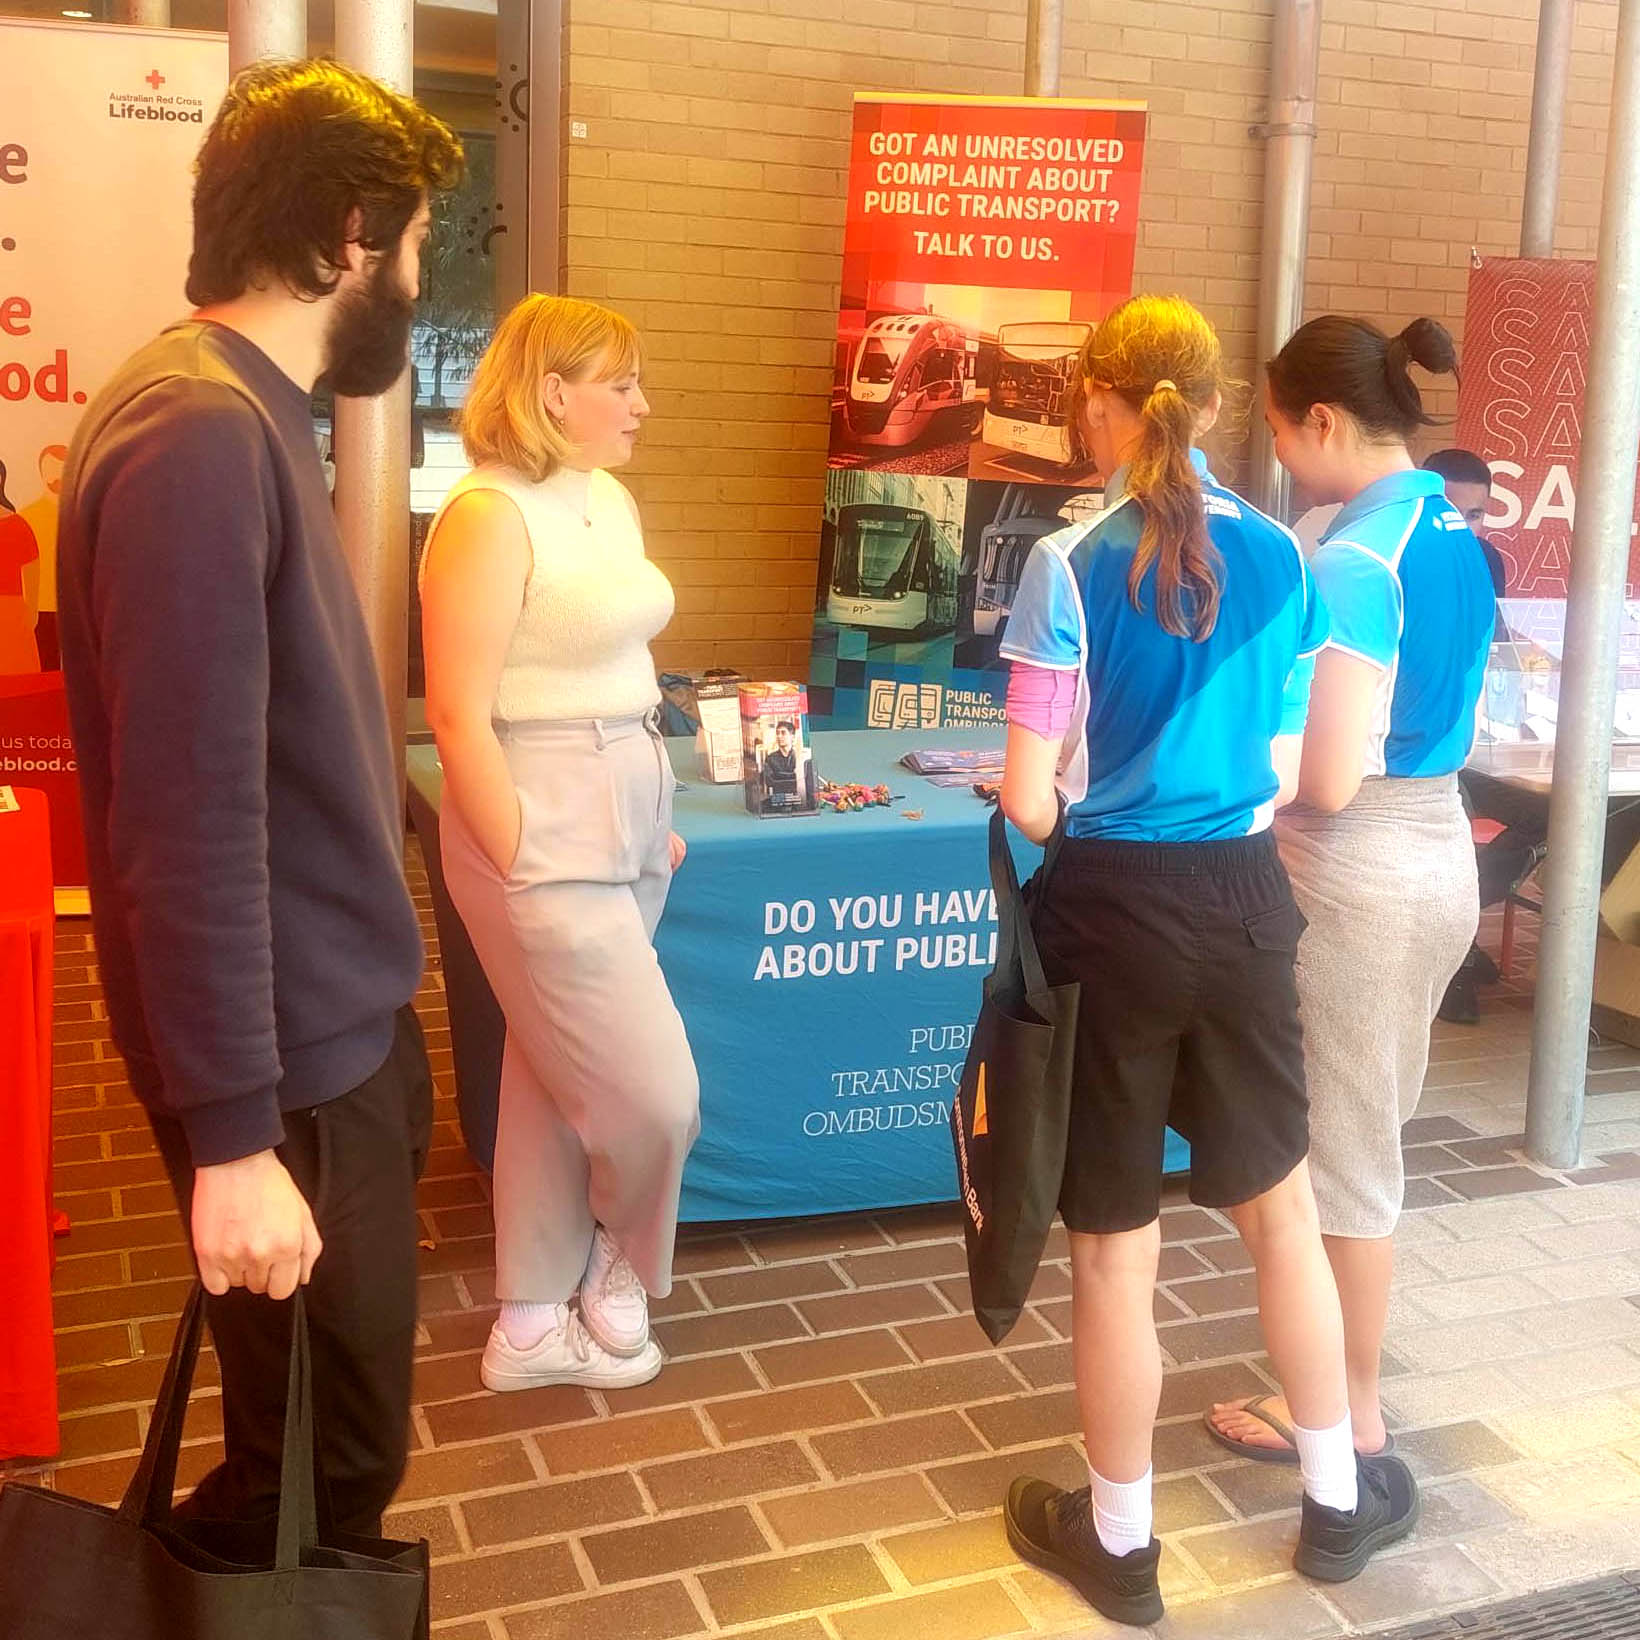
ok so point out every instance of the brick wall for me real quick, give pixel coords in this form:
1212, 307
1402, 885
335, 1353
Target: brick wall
706, 201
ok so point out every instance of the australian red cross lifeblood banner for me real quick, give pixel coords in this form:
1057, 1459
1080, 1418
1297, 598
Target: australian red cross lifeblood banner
1520, 405
986, 236
98, 131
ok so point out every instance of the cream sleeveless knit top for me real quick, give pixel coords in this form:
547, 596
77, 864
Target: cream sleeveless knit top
592, 602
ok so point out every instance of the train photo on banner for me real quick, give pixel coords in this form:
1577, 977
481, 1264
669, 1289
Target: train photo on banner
1028, 409
1026, 513
893, 570
994, 557
909, 372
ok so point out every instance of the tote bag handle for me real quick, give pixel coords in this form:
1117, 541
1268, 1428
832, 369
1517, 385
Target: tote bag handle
147, 1500
298, 1501
1015, 940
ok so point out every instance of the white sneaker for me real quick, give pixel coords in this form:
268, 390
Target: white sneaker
614, 1306
567, 1355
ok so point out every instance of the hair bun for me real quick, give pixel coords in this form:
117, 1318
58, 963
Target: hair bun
1429, 343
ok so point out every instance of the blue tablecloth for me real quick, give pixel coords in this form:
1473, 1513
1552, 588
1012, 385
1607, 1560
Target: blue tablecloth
828, 969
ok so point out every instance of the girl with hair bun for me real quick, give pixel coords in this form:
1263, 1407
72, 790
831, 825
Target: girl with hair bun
1162, 655
1377, 845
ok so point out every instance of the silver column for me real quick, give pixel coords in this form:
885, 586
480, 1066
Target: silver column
143, 13
372, 442
1044, 33
265, 28
547, 46
1289, 133
510, 243
1594, 609
1542, 194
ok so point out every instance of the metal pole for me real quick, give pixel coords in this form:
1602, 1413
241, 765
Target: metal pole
265, 28
143, 13
546, 125
1542, 195
372, 439
1044, 32
1594, 612
510, 243
1289, 133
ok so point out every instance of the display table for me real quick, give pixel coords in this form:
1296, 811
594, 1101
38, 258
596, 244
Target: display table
1509, 784
28, 1371
828, 970
1530, 767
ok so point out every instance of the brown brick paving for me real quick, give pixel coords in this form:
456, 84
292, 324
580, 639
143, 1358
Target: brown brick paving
655, 1611
823, 1457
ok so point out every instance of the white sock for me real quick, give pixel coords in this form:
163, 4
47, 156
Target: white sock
1326, 1458
527, 1324
1121, 1512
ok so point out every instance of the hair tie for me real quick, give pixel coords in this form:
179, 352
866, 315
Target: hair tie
1165, 382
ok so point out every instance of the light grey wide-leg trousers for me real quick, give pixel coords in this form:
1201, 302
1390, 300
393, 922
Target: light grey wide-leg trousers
600, 1101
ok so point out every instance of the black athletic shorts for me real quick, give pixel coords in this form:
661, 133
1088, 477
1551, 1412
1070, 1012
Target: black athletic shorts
1189, 1016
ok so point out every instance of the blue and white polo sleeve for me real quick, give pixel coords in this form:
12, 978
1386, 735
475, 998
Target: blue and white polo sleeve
1312, 638
1045, 623
1363, 599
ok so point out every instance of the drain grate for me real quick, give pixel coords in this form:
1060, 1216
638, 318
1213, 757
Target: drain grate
1605, 1610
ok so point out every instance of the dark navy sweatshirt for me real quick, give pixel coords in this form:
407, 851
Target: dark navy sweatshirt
242, 819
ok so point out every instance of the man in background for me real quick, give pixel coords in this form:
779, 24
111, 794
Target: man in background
1504, 860
1468, 482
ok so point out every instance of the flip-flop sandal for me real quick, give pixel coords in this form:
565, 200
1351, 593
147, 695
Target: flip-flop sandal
1272, 1454
1255, 1408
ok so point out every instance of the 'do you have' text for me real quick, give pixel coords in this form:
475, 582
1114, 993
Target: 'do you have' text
869, 934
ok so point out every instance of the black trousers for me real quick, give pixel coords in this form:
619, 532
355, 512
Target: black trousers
356, 1159
1525, 817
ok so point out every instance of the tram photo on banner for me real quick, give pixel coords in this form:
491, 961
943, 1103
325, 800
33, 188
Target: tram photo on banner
951, 449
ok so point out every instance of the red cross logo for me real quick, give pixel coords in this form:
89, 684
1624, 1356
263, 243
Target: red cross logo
154, 78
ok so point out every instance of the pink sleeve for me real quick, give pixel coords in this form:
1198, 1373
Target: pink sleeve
1040, 699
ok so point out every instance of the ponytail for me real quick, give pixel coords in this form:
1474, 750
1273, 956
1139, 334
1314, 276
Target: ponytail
1162, 478
1161, 356
1352, 364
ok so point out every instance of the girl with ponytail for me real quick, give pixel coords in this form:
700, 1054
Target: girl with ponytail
1378, 846
1162, 655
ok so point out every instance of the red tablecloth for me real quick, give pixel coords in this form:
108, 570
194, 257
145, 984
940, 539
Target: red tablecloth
28, 1368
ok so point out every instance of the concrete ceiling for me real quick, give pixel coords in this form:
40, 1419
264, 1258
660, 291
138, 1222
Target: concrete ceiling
452, 36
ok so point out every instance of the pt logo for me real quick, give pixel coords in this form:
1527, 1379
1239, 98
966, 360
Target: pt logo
154, 78
895, 705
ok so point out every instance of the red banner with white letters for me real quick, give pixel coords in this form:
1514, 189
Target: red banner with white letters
986, 237
1520, 406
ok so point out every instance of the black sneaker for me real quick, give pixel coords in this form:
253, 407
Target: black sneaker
1334, 1546
1462, 1004
1054, 1530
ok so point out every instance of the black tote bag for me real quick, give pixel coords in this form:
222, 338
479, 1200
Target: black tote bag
1012, 1111
71, 1570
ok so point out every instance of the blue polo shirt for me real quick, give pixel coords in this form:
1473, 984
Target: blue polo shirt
1408, 590
1170, 738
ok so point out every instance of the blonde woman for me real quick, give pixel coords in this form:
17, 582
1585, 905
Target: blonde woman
538, 606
